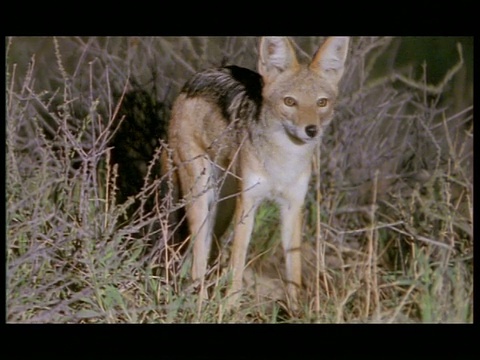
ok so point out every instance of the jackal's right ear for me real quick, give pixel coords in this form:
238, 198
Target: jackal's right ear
276, 54
330, 58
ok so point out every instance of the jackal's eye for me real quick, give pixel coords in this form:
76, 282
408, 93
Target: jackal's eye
322, 102
289, 101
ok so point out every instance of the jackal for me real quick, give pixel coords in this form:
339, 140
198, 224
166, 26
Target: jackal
238, 137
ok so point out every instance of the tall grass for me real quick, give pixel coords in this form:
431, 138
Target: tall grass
387, 235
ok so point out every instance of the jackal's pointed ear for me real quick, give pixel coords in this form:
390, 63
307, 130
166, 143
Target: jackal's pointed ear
276, 55
330, 58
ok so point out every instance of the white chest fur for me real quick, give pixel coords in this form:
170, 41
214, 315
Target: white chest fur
280, 171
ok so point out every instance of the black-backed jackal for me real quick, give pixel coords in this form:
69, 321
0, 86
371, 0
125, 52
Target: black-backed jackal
240, 135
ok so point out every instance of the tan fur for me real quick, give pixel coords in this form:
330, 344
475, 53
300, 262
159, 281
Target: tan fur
266, 159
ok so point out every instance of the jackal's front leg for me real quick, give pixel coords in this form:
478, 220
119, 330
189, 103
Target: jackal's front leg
291, 241
244, 220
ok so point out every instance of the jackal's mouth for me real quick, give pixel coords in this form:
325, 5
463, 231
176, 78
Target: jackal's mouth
301, 135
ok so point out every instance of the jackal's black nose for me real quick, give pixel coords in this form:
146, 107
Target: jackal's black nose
311, 130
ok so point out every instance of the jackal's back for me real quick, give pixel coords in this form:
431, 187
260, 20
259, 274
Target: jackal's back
235, 90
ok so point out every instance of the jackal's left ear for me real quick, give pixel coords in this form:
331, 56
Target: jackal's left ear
330, 58
276, 55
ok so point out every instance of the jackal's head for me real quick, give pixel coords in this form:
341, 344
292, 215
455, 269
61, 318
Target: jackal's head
301, 96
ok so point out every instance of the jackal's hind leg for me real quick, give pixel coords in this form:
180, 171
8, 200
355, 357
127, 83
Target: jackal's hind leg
198, 185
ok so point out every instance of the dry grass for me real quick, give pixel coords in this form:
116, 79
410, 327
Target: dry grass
388, 231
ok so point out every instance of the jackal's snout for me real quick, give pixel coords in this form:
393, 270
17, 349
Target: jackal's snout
311, 130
